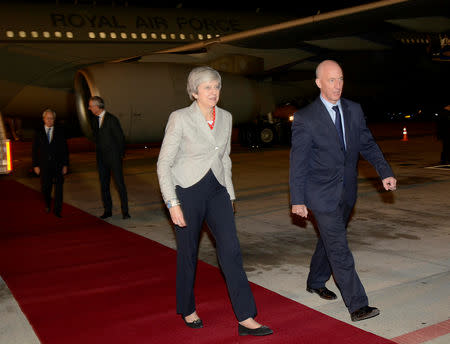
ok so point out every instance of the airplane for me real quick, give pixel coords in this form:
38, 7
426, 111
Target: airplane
137, 59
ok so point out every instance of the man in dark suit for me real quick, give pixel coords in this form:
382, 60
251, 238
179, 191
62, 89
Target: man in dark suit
50, 160
327, 137
110, 148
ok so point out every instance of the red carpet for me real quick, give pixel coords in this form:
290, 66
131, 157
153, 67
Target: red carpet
81, 280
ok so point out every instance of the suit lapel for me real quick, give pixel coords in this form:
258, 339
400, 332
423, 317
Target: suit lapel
325, 119
347, 118
201, 123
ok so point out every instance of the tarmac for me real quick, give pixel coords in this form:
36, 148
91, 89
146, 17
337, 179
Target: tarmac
400, 240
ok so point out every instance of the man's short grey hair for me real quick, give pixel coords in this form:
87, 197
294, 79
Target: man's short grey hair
98, 101
200, 75
49, 111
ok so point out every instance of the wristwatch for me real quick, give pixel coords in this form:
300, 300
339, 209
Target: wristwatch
172, 203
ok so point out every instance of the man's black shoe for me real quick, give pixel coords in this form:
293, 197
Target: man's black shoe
105, 215
365, 312
126, 216
323, 292
260, 331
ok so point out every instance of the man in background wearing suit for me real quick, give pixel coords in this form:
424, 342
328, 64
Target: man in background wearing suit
110, 148
327, 137
50, 160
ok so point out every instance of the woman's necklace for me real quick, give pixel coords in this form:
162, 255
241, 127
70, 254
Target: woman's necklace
211, 123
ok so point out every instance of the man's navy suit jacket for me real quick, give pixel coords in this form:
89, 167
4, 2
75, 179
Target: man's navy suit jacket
321, 171
109, 138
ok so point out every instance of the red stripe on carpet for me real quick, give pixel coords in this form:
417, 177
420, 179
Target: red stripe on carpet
82, 280
424, 334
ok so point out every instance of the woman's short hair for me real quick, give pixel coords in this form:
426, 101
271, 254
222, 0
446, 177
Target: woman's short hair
49, 111
200, 75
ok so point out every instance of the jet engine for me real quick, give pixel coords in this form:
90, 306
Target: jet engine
142, 96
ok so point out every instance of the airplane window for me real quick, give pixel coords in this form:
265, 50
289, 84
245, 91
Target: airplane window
208, 36
10, 34
123, 35
69, 34
163, 36
172, 36
200, 36
102, 35
58, 34
154, 36
91, 34
144, 35
133, 35
182, 36
46, 34
113, 35
191, 36
22, 34
217, 35
34, 34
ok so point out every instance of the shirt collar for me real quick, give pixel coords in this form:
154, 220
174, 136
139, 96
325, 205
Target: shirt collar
329, 105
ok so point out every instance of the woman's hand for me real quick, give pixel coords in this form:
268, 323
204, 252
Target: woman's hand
177, 216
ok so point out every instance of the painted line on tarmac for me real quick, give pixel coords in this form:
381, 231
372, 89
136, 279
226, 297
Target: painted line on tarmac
424, 334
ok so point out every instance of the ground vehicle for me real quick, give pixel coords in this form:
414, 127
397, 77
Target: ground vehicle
271, 128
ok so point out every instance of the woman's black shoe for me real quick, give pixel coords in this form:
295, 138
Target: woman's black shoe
195, 324
260, 331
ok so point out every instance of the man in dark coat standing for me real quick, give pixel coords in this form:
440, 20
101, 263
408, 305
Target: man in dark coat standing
50, 160
328, 136
110, 148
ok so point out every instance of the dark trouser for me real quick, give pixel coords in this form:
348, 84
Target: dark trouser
209, 200
333, 255
104, 171
50, 176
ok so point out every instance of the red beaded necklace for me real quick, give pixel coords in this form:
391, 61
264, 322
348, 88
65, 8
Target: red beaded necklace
211, 126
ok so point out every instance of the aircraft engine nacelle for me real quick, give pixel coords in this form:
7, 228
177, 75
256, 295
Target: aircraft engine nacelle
142, 96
